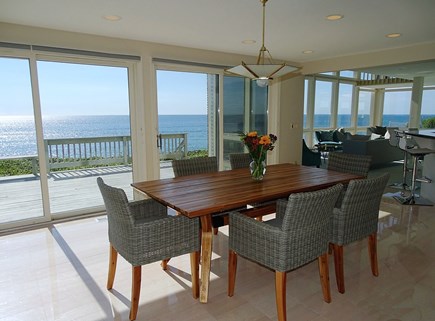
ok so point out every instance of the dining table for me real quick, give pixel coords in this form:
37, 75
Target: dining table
201, 196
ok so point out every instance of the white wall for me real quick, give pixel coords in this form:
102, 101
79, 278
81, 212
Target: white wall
290, 122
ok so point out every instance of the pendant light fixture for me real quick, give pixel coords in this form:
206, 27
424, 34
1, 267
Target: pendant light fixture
265, 69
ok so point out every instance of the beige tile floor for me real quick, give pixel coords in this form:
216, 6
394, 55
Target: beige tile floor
59, 273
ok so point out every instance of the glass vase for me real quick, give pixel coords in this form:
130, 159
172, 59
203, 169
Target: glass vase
258, 169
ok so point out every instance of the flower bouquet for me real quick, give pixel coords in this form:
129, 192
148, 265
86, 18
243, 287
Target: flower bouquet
258, 145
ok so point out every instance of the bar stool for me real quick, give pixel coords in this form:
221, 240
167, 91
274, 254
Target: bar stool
410, 147
404, 144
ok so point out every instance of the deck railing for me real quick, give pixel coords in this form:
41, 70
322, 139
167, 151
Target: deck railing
92, 151
172, 146
86, 152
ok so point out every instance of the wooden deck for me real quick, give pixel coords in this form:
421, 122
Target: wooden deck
77, 191
20, 196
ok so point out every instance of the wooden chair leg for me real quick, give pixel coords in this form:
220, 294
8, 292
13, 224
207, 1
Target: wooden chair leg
215, 230
330, 248
280, 294
338, 265
373, 253
164, 264
135, 291
232, 269
194, 267
113, 259
324, 277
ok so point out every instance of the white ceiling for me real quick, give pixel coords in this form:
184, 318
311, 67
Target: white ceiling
292, 26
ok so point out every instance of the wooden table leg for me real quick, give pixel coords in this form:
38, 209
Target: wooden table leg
206, 251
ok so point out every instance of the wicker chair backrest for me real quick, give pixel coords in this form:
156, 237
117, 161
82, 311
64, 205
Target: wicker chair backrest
349, 163
193, 166
358, 215
240, 160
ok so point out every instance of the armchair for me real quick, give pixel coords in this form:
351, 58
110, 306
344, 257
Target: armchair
348, 163
240, 160
299, 234
309, 157
356, 219
143, 233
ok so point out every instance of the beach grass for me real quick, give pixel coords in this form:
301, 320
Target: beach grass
12, 167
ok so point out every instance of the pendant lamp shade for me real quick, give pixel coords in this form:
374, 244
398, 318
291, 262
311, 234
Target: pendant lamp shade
262, 72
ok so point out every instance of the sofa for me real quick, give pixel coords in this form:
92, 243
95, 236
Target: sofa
375, 145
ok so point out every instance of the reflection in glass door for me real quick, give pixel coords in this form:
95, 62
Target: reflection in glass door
20, 185
86, 125
245, 109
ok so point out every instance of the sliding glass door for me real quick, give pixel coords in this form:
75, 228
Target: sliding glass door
187, 116
20, 183
86, 125
189, 119
63, 123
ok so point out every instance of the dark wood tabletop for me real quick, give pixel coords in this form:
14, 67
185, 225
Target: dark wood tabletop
198, 195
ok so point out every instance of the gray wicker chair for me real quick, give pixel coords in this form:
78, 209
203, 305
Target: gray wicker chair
349, 163
240, 160
193, 166
356, 219
299, 234
199, 165
143, 233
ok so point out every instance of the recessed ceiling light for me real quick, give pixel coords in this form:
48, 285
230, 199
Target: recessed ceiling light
393, 35
112, 17
248, 42
334, 17
307, 52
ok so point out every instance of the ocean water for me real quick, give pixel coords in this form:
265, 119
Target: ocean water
323, 120
17, 133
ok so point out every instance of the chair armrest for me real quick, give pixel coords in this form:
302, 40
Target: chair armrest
245, 230
256, 240
148, 208
281, 205
162, 238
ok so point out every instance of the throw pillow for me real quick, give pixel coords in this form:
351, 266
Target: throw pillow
327, 136
376, 136
371, 130
380, 130
339, 136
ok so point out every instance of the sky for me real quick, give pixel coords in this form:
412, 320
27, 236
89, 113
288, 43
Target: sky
75, 89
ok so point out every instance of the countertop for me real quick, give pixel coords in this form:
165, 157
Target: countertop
427, 133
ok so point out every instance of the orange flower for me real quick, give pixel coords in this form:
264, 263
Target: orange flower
265, 140
258, 145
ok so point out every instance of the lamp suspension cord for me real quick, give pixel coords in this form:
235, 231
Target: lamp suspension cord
263, 48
